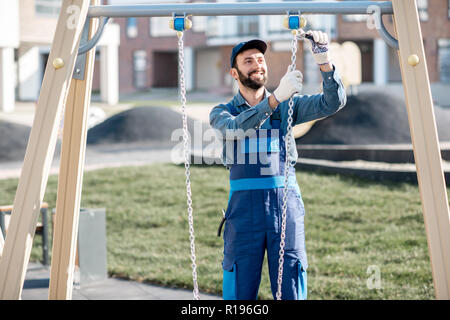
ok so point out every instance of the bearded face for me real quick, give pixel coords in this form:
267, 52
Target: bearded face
250, 69
254, 79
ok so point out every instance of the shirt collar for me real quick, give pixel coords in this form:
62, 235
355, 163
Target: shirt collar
239, 100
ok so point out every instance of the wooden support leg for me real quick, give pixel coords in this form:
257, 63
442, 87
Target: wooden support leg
41, 148
70, 179
424, 137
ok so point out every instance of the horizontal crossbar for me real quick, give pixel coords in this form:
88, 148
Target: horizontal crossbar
240, 8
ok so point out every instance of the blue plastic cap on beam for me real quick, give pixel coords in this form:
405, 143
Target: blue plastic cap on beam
294, 22
178, 24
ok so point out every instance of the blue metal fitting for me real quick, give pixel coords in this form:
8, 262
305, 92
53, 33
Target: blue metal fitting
178, 23
294, 22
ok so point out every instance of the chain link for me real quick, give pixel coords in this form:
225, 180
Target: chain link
186, 150
287, 165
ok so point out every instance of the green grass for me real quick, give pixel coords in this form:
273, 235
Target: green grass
351, 224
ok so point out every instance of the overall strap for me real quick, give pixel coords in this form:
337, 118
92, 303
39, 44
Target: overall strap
275, 119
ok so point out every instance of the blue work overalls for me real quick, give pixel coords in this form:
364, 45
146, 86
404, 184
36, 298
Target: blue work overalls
254, 215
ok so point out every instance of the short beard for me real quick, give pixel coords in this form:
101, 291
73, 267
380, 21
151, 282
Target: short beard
249, 83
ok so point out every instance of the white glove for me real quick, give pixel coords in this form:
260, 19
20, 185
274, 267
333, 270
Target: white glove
318, 47
292, 82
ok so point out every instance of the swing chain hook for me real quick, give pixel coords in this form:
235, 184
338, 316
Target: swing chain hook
287, 166
180, 23
187, 155
296, 23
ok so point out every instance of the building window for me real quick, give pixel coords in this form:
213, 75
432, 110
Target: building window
212, 29
132, 28
159, 27
422, 7
140, 69
275, 24
47, 7
444, 60
248, 25
199, 23
354, 17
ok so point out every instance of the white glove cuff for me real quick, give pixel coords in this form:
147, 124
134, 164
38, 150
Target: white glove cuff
279, 96
274, 95
322, 58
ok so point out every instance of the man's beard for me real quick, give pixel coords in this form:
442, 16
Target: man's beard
249, 83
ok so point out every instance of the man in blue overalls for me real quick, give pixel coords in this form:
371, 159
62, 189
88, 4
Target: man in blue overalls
253, 127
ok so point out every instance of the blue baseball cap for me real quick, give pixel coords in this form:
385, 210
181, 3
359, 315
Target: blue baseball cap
251, 44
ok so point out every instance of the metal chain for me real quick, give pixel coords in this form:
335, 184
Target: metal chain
187, 160
287, 165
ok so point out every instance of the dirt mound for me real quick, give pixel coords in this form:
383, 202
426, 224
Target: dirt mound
13, 141
142, 124
371, 118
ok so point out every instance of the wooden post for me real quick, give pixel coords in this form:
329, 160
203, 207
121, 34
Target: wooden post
41, 148
70, 179
424, 137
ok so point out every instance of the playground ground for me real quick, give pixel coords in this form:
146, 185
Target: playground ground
36, 284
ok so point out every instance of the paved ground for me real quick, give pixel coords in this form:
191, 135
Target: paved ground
103, 157
37, 282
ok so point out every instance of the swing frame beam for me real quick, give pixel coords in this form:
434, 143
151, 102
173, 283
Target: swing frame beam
238, 8
64, 91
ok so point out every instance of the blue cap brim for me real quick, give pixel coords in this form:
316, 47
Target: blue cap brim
252, 44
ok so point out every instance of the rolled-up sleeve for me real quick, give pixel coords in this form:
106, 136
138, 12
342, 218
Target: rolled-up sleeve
221, 119
333, 98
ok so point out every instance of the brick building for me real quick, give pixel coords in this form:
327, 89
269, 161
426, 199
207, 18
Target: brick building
147, 55
380, 62
148, 50
29, 27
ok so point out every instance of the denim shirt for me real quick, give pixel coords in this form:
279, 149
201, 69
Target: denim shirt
306, 108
